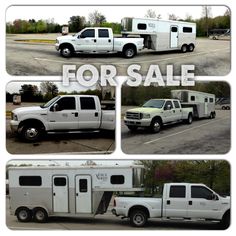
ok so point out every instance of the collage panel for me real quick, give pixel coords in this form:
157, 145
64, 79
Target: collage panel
45, 117
118, 194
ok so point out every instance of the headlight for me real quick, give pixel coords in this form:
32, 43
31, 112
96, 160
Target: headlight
14, 117
145, 116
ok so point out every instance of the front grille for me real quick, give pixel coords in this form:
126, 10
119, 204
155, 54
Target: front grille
133, 115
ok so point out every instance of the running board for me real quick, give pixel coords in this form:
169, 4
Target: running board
74, 132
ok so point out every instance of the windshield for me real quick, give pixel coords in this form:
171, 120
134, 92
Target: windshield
49, 103
154, 103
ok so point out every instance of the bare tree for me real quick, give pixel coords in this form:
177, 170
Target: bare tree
150, 14
96, 18
173, 17
206, 14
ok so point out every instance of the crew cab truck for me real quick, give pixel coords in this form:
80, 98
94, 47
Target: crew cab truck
97, 40
157, 112
182, 201
67, 113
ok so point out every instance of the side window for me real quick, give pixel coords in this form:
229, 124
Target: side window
167, 104
103, 33
117, 179
211, 100
200, 192
176, 103
83, 185
66, 103
187, 29
87, 103
142, 26
59, 181
206, 99
89, 33
174, 29
177, 191
192, 98
30, 181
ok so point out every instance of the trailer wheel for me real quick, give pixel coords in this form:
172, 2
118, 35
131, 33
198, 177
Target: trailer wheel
156, 125
129, 51
66, 50
23, 214
190, 47
190, 119
211, 116
40, 215
132, 128
31, 132
223, 107
184, 48
138, 218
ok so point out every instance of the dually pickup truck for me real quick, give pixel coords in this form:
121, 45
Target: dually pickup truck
157, 112
67, 113
98, 40
182, 201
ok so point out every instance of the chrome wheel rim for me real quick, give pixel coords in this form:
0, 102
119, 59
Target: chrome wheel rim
39, 215
138, 219
130, 52
23, 215
156, 126
31, 133
66, 51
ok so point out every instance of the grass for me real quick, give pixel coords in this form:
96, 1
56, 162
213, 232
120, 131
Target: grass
49, 41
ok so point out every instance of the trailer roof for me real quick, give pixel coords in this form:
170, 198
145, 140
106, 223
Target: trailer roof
188, 90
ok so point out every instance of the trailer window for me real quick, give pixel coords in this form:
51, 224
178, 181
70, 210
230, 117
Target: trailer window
117, 179
211, 100
176, 103
30, 181
87, 103
60, 181
83, 185
142, 26
177, 191
192, 98
187, 29
200, 192
206, 99
174, 29
103, 33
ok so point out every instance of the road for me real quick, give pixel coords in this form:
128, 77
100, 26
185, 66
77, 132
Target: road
102, 222
210, 57
203, 136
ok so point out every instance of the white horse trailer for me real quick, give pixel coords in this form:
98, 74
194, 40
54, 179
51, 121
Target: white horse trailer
161, 35
40, 192
203, 103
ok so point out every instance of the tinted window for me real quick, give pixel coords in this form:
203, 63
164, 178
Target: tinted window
89, 33
142, 26
168, 103
103, 33
177, 191
30, 181
117, 179
206, 99
187, 30
192, 98
66, 103
176, 104
200, 192
174, 29
211, 99
87, 103
83, 185
60, 181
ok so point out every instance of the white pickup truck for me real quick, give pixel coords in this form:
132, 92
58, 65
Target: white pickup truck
67, 113
97, 40
157, 112
182, 201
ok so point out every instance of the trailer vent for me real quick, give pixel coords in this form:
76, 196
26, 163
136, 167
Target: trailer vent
133, 115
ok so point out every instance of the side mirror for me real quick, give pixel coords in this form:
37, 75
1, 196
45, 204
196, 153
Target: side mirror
55, 107
168, 107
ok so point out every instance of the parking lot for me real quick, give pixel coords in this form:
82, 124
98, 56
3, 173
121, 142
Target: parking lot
210, 57
81, 143
204, 136
102, 222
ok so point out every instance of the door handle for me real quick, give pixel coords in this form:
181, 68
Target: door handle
77, 194
54, 194
190, 203
109, 40
95, 40
75, 113
168, 202
96, 114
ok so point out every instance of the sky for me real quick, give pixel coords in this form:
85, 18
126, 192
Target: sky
62, 14
14, 87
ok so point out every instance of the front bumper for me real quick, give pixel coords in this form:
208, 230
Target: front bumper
14, 126
57, 46
138, 123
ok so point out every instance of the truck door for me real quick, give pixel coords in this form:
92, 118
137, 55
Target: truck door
177, 110
175, 203
60, 192
206, 106
174, 36
86, 41
203, 203
104, 41
63, 115
83, 191
168, 112
89, 114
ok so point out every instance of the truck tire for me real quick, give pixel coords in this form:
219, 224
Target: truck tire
190, 119
40, 215
66, 51
23, 214
190, 47
156, 125
31, 132
223, 107
184, 48
129, 51
212, 116
225, 222
138, 218
132, 128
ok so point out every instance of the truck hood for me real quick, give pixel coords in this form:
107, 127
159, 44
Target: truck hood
147, 110
65, 37
21, 110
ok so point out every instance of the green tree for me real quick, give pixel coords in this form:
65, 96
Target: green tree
77, 23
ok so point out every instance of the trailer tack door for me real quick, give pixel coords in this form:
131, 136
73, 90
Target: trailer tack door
174, 36
83, 186
60, 194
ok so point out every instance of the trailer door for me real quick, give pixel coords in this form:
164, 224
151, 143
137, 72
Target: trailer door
174, 36
60, 194
83, 189
206, 106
